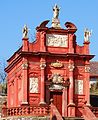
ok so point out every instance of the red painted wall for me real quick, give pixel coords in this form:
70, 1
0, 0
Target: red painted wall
33, 60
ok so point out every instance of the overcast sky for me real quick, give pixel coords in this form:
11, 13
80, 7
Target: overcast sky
15, 13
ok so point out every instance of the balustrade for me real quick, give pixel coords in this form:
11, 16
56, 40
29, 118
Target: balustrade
95, 111
26, 111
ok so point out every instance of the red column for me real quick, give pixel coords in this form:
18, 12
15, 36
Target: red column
8, 94
24, 82
86, 47
87, 83
16, 91
42, 41
71, 87
42, 84
71, 49
71, 105
64, 102
25, 44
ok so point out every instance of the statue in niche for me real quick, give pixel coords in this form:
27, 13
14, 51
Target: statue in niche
87, 35
56, 12
25, 31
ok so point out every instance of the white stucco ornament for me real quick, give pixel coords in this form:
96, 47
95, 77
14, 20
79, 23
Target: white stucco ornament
25, 31
87, 69
33, 86
42, 65
57, 40
24, 65
87, 35
56, 78
79, 87
71, 67
55, 20
56, 11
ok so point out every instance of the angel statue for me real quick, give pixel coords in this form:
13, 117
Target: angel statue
25, 31
56, 12
87, 35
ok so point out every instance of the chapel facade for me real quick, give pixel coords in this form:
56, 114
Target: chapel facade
53, 69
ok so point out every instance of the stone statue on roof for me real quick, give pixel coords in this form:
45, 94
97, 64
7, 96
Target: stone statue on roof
55, 20
25, 31
87, 35
56, 11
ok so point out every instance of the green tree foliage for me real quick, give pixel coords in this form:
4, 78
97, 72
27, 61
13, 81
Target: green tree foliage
94, 88
3, 82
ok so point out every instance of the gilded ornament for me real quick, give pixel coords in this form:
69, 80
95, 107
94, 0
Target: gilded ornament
57, 64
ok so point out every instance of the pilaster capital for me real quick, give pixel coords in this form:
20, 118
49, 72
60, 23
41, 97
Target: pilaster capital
42, 65
71, 67
24, 103
43, 32
24, 65
71, 104
87, 69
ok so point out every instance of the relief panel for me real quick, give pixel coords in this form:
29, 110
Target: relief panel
79, 87
57, 40
33, 85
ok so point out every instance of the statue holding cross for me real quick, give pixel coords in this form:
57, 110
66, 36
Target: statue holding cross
56, 12
87, 35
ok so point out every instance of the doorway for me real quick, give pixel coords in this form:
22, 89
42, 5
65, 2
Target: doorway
57, 100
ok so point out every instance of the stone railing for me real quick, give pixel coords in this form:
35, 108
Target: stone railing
54, 114
95, 111
26, 111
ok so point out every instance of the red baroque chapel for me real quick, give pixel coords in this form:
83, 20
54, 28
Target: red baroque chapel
50, 76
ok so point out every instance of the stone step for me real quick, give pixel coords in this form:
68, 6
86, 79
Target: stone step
73, 118
38, 118
26, 118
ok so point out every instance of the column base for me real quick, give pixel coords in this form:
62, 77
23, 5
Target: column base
42, 103
71, 104
24, 103
71, 110
88, 105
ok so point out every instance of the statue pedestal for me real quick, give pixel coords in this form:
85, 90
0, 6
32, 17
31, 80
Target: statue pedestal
71, 110
56, 23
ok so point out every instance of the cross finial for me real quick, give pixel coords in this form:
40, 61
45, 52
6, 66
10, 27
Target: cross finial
56, 11
87, 35
55, 20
